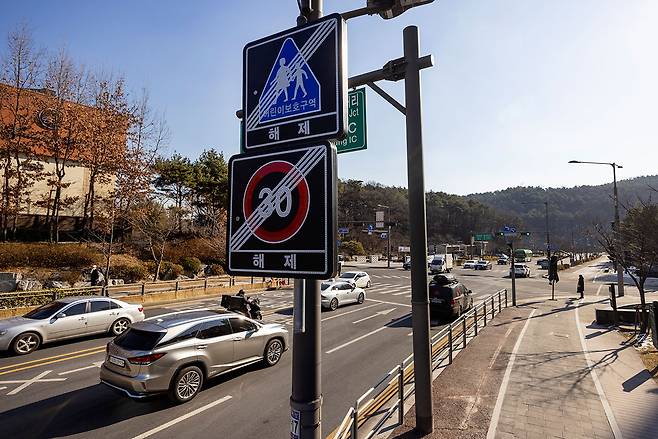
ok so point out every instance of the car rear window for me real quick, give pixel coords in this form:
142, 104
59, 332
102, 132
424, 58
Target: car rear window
443, 292
135, 339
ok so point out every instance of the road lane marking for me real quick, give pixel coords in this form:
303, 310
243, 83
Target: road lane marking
380, 313
616, 431
599, 290
389, 303
93, 365
50, 358
493, 425
368, 334
3, 388
101, 350
500, 346
37, 379
349, 312
406, 291
182, 418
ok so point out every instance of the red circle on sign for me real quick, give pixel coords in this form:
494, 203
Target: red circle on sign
280, 167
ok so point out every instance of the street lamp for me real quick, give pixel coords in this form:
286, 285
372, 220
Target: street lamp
388, 235
617, 244
385, 8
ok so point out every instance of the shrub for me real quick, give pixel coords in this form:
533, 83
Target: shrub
190, 264
215, 270
169, 270
352, 248
197, 247
130, 273
47, 255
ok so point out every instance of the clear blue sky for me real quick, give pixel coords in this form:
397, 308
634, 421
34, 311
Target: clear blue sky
520, 87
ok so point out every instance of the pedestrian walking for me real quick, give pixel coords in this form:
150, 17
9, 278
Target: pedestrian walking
581, 286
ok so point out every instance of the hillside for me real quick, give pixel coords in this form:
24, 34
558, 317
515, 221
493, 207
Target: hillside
573, 212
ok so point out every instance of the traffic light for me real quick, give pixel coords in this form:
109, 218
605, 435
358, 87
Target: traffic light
552, 270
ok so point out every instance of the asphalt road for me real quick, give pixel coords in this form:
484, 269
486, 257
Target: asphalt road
55, 391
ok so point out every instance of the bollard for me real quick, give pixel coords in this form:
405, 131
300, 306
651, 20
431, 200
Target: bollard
143, 288
475, 312
493, 308
205, 284
176, 286
252, 280
464, 331
401, 394
484, 314
450, 344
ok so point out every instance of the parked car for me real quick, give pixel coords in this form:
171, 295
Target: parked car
503, 261
470, 263
448, 296
66, 318
336, 293
483, 265
520, 270
176, 353
359, 278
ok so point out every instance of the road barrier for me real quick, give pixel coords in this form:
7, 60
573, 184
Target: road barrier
144, 290
378, 404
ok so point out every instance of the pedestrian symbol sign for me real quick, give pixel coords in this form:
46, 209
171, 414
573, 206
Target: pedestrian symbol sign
295, 86
291, 89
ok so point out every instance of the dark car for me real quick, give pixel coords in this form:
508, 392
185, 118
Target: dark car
448, 296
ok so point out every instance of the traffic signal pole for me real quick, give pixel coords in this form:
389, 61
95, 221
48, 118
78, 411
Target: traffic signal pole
513, 271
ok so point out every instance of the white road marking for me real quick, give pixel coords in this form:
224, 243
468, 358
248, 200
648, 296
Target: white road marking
93, 365
604, 401
406, 291
182, 418
380, 313
367, 335
36, 379
503, 386
599, 290
389, 303
350, 312
3, 388
500, 346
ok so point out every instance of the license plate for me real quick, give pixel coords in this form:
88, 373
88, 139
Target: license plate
117, 361
435, 300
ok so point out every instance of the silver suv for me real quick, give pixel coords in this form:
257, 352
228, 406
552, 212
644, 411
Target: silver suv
174, 353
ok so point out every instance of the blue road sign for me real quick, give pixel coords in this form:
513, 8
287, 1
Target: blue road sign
295, 85
343, 230
370, 228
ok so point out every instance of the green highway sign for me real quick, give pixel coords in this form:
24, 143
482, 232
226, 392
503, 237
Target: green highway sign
483, 237
356, 123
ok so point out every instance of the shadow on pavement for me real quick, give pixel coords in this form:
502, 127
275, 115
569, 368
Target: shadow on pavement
637, 380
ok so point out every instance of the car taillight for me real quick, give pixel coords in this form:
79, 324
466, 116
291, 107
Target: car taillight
140, 309
146, 359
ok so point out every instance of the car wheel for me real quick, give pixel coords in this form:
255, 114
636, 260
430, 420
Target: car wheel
368, 284
186, 384
361, 298
333, 305
119, 326
26, 343
273, 352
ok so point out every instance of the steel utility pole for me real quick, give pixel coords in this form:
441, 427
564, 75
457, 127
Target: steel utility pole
513, 271
388, 235
418, 229
615, 237
306, 394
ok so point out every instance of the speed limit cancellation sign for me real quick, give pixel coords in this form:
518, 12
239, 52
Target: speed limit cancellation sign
282, 212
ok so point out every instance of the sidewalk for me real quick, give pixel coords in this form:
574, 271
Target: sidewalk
536, 373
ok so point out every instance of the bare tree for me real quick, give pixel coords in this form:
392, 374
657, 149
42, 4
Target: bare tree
155, 225
638, 254
21, 70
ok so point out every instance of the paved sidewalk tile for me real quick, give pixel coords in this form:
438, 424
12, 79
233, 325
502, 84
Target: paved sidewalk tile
551, 393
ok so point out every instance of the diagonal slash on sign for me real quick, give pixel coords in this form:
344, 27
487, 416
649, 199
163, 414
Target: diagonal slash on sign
307, 50
265, 209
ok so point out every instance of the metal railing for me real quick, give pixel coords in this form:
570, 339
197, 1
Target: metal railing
38, 297
378, 404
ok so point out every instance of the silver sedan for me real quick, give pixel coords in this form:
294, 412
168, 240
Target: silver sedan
66, 318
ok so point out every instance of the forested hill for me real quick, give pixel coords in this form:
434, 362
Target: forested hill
571, 210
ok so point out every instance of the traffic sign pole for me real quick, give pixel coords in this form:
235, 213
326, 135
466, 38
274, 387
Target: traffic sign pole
419, 293
306, 393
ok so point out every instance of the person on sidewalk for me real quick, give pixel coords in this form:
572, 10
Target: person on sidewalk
581, 286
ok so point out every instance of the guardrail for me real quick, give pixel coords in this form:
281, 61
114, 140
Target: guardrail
384, 399
39, 297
